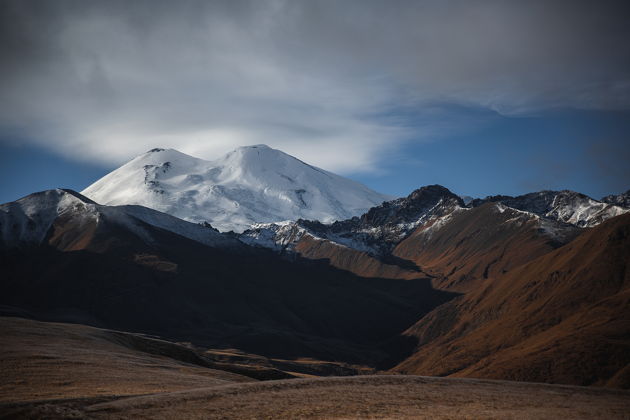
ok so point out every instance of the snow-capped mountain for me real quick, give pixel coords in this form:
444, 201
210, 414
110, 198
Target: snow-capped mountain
563, 206
31, 220
622, 200
253, 184
375, 232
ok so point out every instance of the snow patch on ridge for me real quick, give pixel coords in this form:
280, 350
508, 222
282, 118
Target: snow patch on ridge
562, 206
28, 220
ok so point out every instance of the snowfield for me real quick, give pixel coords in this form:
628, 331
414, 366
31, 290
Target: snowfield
252, 184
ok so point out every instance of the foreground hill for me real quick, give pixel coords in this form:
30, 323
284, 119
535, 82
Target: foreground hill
252, 184
68, 259
563, 318
43, 360
55, 371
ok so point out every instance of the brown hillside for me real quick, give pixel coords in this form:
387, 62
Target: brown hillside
475, 244
563, 318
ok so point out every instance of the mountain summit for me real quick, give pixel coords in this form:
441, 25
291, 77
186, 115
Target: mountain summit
251, 184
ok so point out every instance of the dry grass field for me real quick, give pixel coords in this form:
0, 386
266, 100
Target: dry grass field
359, 397
45, 360
60, 371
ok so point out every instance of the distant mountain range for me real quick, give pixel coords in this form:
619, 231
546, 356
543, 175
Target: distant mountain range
401, 228
622, 200
534, 287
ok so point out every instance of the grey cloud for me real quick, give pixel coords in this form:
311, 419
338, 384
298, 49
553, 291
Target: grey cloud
108, 79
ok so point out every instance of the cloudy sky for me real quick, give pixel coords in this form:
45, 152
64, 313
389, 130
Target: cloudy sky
484, 97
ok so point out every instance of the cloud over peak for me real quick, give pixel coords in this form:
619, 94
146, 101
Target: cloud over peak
322, 80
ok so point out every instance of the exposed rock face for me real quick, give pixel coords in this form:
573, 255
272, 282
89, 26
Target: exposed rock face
362, 245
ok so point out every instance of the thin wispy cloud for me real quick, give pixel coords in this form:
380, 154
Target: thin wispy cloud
339, 84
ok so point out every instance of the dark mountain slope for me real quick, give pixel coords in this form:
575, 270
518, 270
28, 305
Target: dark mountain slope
361, 263
139, 277
563, 317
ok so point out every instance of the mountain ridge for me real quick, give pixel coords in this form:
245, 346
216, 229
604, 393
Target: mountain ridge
31, 219
564, 206
382, 227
